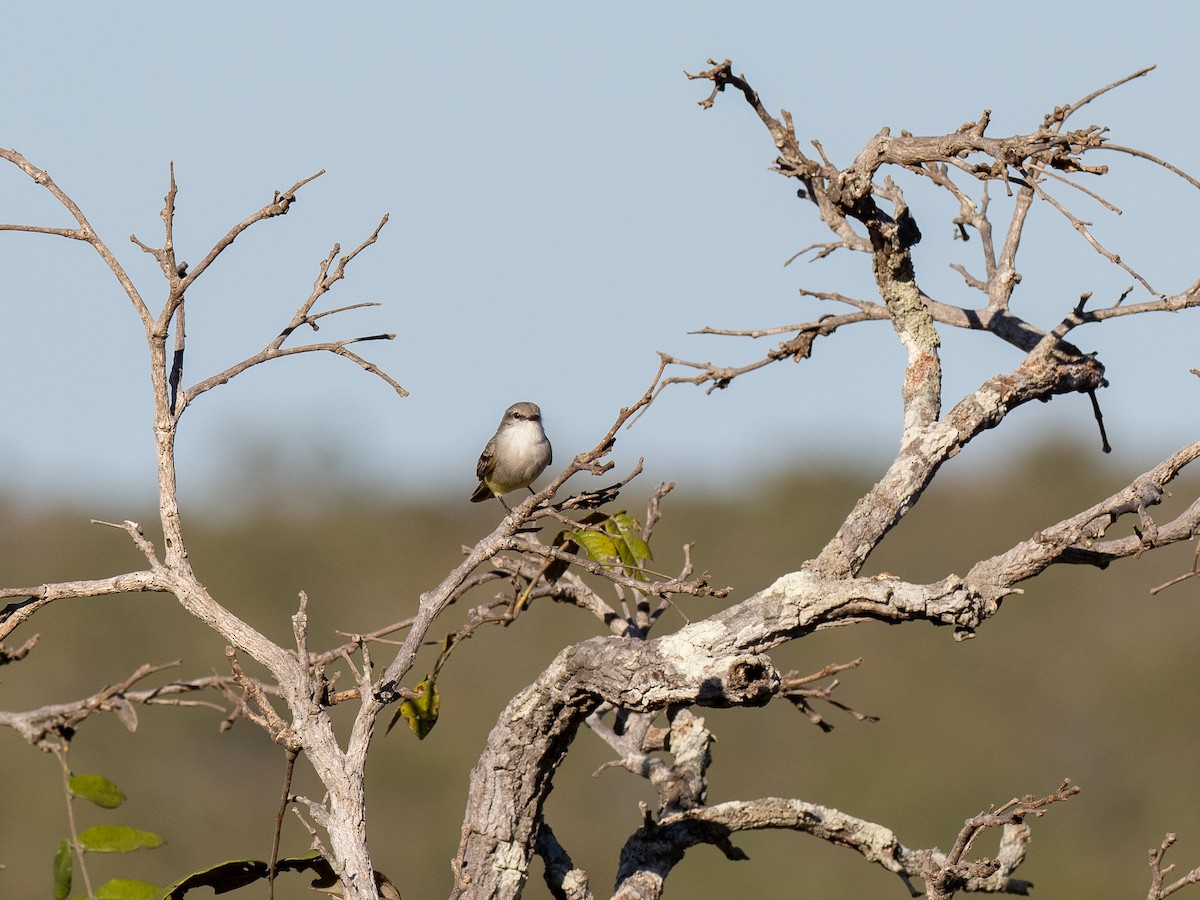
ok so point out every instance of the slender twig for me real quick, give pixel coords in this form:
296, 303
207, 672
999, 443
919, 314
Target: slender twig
1194, 573
35, 598
325, 280
1158, 872
1142, 154
1082, 227
279, 206
1056, 119
84, 232
72, 829
284, 801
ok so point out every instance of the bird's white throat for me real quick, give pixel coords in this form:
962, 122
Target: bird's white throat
521, 444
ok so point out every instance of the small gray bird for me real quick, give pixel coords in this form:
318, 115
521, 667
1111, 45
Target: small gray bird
517, 453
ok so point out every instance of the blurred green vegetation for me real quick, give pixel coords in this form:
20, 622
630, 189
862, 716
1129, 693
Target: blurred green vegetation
1085, 675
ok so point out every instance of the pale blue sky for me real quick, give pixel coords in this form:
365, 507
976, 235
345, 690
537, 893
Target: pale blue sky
560, 209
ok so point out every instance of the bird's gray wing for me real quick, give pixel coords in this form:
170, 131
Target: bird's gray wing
487, 460
483, 468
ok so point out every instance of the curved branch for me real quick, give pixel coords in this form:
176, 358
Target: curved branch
52, 725
1076, 539
337, 347
512, 778
34, 598
657, 847
280, 204
1046, 371
1059, 115
1158, 873
304, 316
650, 854
84, 232
566, 882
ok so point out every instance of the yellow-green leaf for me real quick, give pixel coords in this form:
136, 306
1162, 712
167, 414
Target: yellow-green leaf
622, 548
597, 545
62, 870
127, 889
421, 713
116, 839
631, 532
96, 789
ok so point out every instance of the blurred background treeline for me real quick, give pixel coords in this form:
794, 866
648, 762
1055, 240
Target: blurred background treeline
1086, 675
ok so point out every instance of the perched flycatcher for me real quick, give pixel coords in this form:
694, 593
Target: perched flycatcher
517, 453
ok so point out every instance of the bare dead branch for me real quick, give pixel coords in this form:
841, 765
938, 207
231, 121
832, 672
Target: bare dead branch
565, 881
1056, 118
134, 530
1077, 539
34, 598
698, 587
1194, 573
927, 444
1159, 890
531, 732
280, 204
11, 656
1082, 227
84, 232
795, 688
944, 876
1044, 172
54, 724
294, 681
1042, 151
263, 713
1142, 154
650, 854
304, 316
1011, 813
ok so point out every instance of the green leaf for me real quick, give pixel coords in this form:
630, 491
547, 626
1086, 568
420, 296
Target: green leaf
422, 712
127, 889
631, 532
621, 546
96, 789
597, 545
618, 539
116, 839
62, 870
